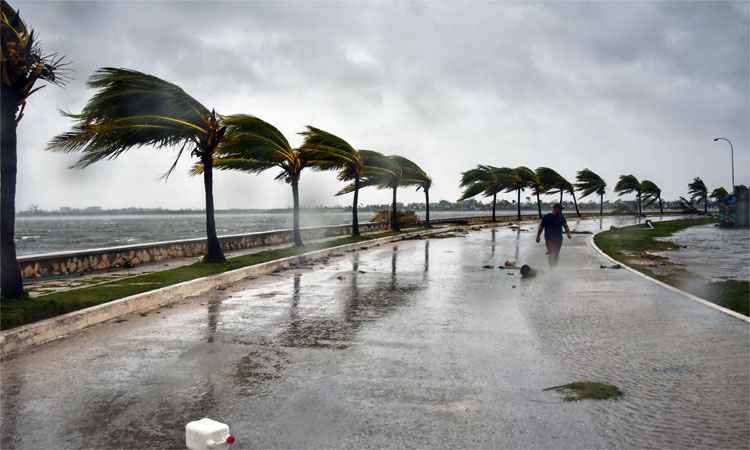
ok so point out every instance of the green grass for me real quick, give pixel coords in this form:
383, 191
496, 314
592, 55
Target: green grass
17, 312
588, 390
633, 246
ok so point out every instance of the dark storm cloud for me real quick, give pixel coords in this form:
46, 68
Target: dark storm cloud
636, 88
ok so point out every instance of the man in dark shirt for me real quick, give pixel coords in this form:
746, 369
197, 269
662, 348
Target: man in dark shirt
553, 225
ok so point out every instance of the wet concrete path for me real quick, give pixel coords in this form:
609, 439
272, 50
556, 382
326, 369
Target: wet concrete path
413, 344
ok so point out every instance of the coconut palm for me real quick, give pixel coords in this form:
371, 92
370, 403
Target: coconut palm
651, 193
132, 109
628, 184
567, 186
551, 181
424, 183
329, 152
698, 191
387, 172
588, 182
485, 180
521, 178
254, 146
718, 194
22, 66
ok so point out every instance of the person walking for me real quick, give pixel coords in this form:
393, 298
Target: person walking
553, 224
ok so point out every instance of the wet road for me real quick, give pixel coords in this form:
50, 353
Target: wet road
407, 345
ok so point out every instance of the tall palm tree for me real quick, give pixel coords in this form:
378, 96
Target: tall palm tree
651, 193
718, 194
22, 65
485, 180
132, 109
329, 152
588, 182
521, 178
628, 184
567, 186
254, 146
698, 191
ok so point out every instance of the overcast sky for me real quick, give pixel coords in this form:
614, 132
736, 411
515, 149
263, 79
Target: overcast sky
637, 88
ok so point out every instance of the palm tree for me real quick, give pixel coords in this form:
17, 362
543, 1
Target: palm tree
133, 109
22, 65
423, 182
486, 180
388, 172
329, 152
521, 178
718, 194
567, 186
588, 182
698, 191
652, 193
628, 184
254, 146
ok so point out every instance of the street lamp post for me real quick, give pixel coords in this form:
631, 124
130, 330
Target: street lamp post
731, 148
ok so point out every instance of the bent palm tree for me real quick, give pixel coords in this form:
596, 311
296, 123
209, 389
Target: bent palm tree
423, 182
387, 172
521, 178
567, 186
628, 184
651, 193
329, 152
485, 180
718, 194
22, 65
254, 146
133, 109
698, 191
588, 182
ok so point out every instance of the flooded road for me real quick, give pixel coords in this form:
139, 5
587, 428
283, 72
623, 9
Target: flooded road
413, 344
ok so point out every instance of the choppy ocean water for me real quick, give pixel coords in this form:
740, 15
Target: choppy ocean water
43, 234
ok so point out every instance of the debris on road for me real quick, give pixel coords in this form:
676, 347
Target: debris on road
587, 390
527, 271
613, 266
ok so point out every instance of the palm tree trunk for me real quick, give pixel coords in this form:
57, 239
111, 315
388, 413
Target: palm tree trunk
561, 194
494, 205
705, 203
601, 205
427, 223
575, 202
518, 204
295, 214
395, 226
661, 206
355, 214
538, 204
11, 283
213, 247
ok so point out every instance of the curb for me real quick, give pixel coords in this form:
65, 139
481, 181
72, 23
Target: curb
26, 336
704, 302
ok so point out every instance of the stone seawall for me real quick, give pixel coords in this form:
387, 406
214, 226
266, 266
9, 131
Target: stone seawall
103, 259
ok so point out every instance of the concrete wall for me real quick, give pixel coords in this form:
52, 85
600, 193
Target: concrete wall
102, 259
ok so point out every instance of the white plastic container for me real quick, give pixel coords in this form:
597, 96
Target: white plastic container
207, 434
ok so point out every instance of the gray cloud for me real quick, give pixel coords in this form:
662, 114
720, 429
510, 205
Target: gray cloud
636, 88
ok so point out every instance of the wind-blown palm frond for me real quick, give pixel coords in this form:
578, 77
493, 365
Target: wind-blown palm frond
22, 62
650, 191
486, 180
627, 184
698, 191
132, 109
719, 193
588, 182
550, 181
326, 151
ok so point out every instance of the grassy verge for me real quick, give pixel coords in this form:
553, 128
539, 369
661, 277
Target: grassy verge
634, 246
17, 312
